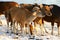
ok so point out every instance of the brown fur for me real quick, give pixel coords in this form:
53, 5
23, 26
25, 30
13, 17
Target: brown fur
21, 15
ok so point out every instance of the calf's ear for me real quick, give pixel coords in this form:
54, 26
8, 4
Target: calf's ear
41, 6
50, 7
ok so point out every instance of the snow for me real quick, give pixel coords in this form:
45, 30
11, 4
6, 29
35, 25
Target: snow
11, 36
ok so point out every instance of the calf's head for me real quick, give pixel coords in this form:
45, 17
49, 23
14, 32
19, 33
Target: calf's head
47, 10
37, 12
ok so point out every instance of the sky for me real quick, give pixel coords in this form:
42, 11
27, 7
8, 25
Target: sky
57, 2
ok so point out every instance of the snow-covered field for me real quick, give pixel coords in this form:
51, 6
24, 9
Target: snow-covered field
8, 36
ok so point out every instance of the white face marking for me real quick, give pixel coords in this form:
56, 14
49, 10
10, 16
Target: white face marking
34, 14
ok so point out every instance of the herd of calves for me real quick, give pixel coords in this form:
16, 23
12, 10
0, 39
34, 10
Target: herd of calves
25, 14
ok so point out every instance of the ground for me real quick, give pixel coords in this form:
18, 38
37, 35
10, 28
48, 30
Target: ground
11, 36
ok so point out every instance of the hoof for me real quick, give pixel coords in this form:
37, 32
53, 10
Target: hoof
51, 33
47, 38
7, 32
0, 23
16, 33
42, 34
41, 39
11, 32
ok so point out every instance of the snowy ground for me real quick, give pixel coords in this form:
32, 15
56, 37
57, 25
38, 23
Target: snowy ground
8, 36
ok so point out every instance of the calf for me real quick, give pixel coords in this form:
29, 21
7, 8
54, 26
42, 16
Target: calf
23, 16
55, 16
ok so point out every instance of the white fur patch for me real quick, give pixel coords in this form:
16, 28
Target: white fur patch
34, 13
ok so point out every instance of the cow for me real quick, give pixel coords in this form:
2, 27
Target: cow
5, 6
54, 18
